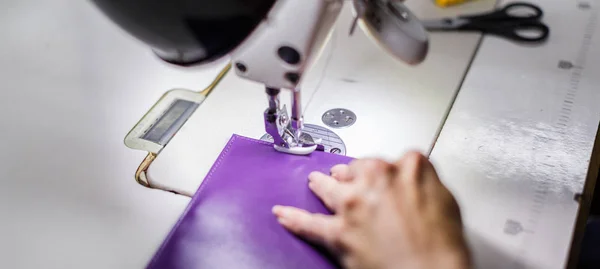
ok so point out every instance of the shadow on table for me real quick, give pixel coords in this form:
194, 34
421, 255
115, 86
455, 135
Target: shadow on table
487, 255
590, 247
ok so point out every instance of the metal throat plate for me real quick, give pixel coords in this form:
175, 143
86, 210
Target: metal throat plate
339, 118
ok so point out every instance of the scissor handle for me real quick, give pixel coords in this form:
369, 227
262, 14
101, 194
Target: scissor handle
529, 31
539, 31
509, 12
519, 6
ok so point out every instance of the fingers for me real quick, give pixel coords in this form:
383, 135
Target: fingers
412, 166
328, 189
315, 227
341, 172
408, 181
372, 172
420, 185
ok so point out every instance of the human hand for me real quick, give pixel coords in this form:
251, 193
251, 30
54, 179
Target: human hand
387, 216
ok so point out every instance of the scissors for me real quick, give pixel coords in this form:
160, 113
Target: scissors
516, 21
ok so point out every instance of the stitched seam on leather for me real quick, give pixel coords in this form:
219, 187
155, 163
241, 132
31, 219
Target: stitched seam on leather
196, 195
203, 185
254, 140
220, 159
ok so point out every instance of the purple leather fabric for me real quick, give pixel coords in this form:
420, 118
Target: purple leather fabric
228, 223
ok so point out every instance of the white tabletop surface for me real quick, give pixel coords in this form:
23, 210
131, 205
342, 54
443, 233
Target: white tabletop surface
72, 85
516, 147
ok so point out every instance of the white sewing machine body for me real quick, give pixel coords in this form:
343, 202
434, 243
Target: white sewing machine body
352, 73
400, 107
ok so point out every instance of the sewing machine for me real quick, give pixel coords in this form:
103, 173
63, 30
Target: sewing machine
513, 147
278, 54
352, 73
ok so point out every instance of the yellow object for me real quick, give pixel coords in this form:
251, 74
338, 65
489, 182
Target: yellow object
447, 3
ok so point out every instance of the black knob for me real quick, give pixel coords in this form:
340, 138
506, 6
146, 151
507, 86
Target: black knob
242, 67
292, 77
289, 55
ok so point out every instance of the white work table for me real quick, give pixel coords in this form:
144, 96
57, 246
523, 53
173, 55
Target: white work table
74, 85
517, 143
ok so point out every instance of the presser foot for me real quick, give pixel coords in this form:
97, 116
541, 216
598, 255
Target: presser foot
287, 139
287, 132
326, 140
296, 150
303, 145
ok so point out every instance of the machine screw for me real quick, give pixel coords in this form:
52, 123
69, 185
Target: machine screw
584, 5
335, 151
513, 227
292, 77
241, 67
565, 64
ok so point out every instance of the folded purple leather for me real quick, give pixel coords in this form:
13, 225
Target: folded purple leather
229, 224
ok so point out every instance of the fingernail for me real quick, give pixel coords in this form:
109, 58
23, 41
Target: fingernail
314, 175
277, 210
282, 221
337, 167
281, 211
311, 185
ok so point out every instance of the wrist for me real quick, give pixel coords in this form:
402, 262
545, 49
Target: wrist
452, 260
446, 260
